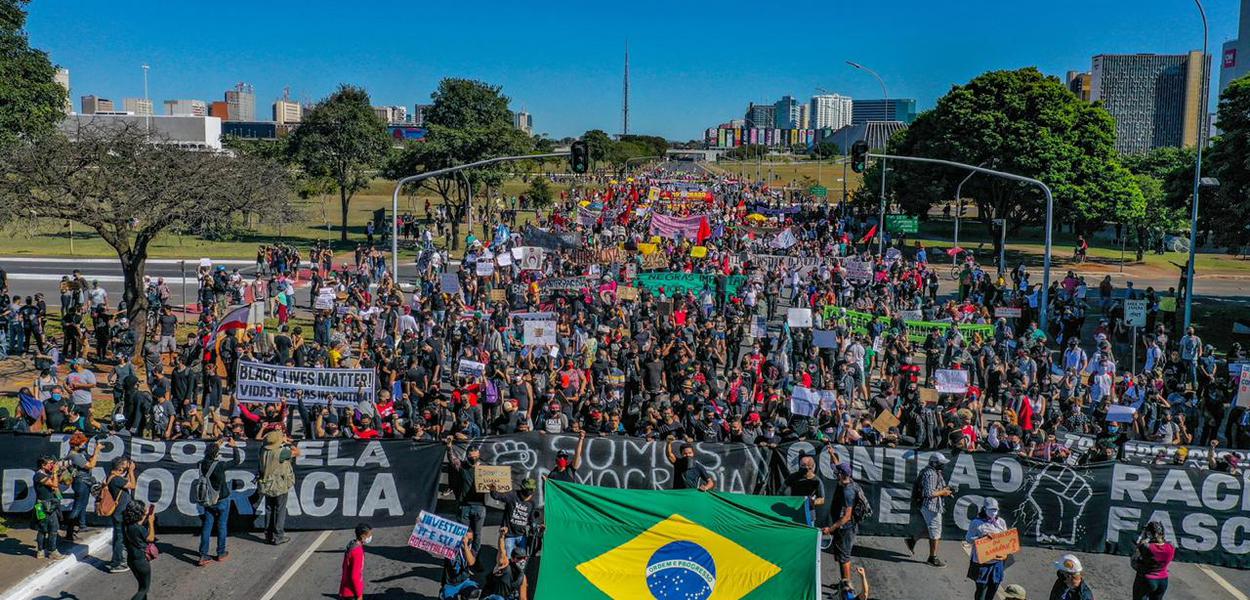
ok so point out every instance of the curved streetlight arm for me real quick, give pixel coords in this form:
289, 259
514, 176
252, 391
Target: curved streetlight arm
1044, 304
436, 173
1193, 221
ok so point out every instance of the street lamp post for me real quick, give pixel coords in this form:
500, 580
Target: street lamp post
1193, 221
959, 204
1044, 303
886, 93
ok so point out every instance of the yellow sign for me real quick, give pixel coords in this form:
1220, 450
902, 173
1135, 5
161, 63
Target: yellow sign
646, 249
698, 252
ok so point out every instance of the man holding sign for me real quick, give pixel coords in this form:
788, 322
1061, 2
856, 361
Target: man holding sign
986, 572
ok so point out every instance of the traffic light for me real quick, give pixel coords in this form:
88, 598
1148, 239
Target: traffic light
859, 156
579, 157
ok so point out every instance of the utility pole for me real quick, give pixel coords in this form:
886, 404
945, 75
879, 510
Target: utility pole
147, 120
625, 105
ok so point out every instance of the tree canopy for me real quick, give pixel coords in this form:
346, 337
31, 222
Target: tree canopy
32, 103
343, 139
1224, 210
1021, 122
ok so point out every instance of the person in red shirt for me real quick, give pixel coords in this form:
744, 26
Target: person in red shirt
352, 581
367, 430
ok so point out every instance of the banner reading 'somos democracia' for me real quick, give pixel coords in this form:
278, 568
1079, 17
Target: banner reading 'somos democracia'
338, 483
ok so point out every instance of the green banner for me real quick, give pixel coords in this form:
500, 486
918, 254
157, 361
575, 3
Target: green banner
819, 191
917, 331
902, 223
673, 281
612, 543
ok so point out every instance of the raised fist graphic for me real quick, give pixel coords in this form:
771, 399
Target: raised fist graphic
1054, 504
512, 453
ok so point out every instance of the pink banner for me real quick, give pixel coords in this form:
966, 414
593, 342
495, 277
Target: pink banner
675, 227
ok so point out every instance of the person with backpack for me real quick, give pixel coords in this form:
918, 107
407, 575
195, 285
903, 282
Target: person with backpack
47, 485
115, 496
80, 463
927, 494
277, 478
848, 508
212, 493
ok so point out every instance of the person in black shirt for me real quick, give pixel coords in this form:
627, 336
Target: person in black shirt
464, 483
121, 484
508, 581
844, 528
139, 522
566, 468
217, 515
687, 472
47, 482
805, 482
519, 515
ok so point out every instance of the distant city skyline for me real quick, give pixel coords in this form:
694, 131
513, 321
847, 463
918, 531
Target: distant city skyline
572, 83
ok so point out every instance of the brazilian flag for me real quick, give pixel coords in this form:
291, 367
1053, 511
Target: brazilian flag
676, 545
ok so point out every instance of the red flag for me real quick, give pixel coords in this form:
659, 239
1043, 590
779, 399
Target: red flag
609, 196
235, 319
868, 236
705, 231
633, 194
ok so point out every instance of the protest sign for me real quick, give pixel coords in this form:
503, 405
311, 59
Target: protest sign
951, 381
998, 546
858, 270
260, 382
538, 333
1008, 312
498, 295
504, 259
824, 338
438, 536
325, 299
563, 284
1120, 413
484, 267
698, 252
799, 317
673, 282
470, 368
627, 293
828, 399
885, 421
528, 257
449, 282
1243, 391
784, 240
486, 475
1135, 312
804, 402
677, 227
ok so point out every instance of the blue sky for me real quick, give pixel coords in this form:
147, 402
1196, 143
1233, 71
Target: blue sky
693, 64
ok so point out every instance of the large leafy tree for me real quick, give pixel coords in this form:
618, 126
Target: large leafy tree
1224, 210
342, 139
1021, 122
31, 101
598, 143
1164, 176
128, 188
468, 121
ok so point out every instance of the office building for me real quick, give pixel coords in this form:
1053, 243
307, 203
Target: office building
418, 113
894, 109
199, 133
831, 111
1156, 99
219, 109
94, 104
761, 115
241, 102
1235, 58
876, 133
1078, 82
787, 116
286, 112
137, 106
62, 77
186, 108
805, 116
523, 121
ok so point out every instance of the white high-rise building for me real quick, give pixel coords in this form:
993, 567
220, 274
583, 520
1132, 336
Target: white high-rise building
831, 111
241, 102
186, 108
62, 77
286, 112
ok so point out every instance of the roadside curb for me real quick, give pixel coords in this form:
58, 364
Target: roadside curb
50, 572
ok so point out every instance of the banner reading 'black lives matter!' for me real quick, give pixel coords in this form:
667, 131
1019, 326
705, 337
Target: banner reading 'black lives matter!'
259, 382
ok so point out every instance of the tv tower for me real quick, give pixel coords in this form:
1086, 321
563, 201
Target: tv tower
625, 107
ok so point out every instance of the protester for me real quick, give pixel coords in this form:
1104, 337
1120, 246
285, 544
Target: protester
352, 580
507, 581
928, 494
688, 473
845, 525
79, 466
472, 503
458, 581
1150, 563
139, 521
987, 575
116, 497
1069, 580
277, 478
47, 483
215, 500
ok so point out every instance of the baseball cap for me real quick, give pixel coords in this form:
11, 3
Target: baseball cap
938, 458
844, 469
1014, 591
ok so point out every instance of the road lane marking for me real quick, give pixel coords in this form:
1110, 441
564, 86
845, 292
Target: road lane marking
299, 562
1228, 587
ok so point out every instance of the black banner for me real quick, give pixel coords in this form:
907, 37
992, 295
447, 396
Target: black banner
1096, 508
625, 462
337, 482
533, 236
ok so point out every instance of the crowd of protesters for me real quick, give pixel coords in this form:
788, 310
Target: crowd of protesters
680, 363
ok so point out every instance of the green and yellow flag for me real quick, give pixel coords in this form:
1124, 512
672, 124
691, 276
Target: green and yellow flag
676, 545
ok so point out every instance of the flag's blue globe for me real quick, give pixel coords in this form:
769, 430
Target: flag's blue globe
681, 571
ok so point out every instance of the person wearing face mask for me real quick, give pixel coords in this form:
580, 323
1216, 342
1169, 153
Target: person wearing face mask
508, 580
687, 472
463, 478
352, 581
1069, 580
986, 575
566, 468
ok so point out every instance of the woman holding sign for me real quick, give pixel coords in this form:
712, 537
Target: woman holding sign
987, 575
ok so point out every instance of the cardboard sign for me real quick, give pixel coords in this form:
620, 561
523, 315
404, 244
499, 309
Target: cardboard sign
436, 535
1135, 312
1243, 389
499, 294
858, 270
627, 293
928, 395
799, 317
539, 333
449, 282
500, 476
1119, 413
998, 546
470, 368
885, 421
951, 381
804, 402
325, 299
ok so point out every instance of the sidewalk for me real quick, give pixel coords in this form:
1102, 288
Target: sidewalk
21, 574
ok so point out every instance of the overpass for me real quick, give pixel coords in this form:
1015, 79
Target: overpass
698, 155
